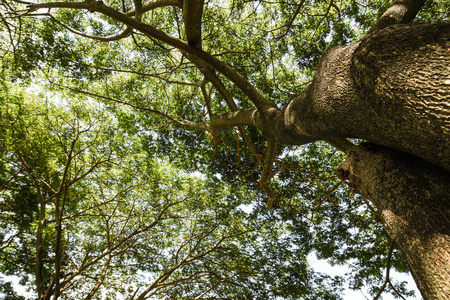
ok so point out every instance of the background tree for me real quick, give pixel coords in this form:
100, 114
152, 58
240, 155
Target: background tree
84, 217
192, 65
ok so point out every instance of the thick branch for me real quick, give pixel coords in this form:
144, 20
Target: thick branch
341, 144
243, 117
400, 12
264, 181
192, 14
212, 77
390, 89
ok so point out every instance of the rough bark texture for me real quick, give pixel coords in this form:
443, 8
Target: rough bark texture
392, 88
400, 12
330, 106
413, 197
192, 14
407, 89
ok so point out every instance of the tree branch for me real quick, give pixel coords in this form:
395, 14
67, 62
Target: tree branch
192, 14
156, 4
238, 118
388, 268
86, 264
156, 75
341, 144
116, 37
181, 122
289, 25
72, 5
97, 6
400, 12
101, 278
264, 181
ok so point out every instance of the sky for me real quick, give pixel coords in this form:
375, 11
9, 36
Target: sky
319, 265
324, 267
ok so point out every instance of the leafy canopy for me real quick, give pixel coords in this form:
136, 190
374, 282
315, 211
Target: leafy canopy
110, 184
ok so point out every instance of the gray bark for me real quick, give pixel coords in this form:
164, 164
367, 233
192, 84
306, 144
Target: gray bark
412, 196
392, 89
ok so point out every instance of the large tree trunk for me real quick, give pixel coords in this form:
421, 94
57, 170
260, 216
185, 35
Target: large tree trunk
413, 197
392, 88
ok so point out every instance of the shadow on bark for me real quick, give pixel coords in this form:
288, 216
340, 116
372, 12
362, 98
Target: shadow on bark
412, 196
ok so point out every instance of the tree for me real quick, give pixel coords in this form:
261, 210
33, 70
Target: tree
389, 88
84, 217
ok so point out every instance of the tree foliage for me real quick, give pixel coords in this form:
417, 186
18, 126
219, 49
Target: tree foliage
84, 201
114, 182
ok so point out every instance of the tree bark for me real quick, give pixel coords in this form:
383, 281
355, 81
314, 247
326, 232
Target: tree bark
400, 12
412, 196
392, 88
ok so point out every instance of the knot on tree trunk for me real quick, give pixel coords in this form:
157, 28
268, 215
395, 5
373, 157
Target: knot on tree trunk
346, 173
